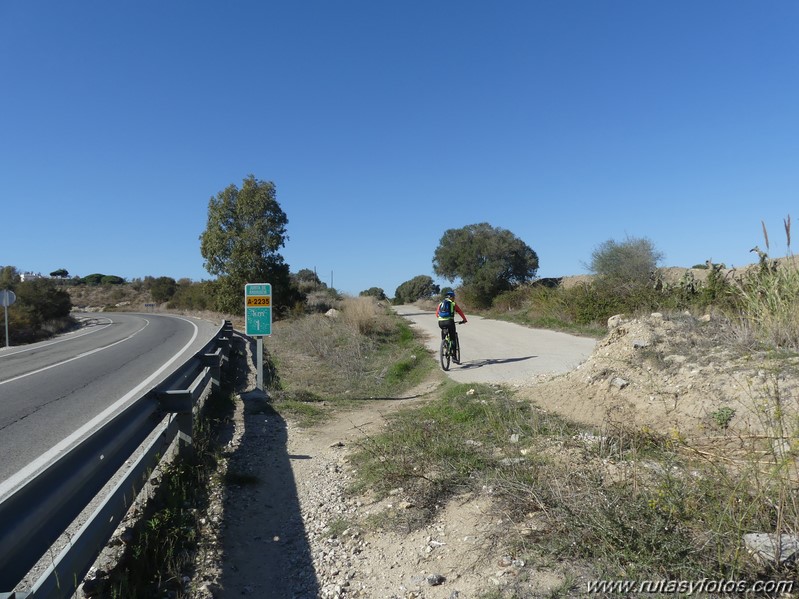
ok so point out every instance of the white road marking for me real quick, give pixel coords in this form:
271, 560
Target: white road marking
78, 357
16, 480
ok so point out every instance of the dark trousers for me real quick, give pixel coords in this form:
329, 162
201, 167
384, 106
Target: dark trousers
448, 326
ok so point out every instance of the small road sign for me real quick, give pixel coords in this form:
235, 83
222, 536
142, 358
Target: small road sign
7, 297
258, 309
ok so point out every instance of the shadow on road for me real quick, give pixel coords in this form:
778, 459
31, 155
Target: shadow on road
265, 553
493, 362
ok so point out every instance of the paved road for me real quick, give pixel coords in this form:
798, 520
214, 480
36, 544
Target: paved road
494, 351
53, 390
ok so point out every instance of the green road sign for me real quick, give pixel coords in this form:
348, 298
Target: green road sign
258, 309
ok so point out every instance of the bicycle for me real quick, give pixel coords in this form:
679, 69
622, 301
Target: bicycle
450, 350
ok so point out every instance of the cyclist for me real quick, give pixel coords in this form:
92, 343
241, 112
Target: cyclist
445, 312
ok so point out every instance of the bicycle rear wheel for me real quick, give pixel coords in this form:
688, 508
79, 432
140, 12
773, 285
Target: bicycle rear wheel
443, 353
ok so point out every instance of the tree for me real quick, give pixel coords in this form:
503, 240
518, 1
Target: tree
112, 280
246, 228
193, 296
93, 279
629, 262
163, 289
419, 287
374, 292
9, 276
488, 260
307, 281
61, 273
42, 301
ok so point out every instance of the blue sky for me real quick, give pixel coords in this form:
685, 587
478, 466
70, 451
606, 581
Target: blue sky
383, 124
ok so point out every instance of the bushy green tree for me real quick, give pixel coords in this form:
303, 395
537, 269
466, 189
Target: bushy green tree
112, 280
9, 276
193, 296
246, 228
61, 273
97, 278
44, 299
629, 262
39, 308
488, 260
419, 287
307, 281
163, 289
374, 292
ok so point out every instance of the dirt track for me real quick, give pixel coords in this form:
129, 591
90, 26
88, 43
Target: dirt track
493, 351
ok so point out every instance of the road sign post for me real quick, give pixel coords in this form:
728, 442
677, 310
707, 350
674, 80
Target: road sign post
258, 320
7, 297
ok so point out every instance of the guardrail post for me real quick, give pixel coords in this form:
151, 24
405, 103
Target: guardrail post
181, 403
214, 363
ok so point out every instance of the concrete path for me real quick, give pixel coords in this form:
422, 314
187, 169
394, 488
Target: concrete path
494, 351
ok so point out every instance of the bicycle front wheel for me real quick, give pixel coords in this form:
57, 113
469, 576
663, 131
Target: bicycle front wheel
443, 353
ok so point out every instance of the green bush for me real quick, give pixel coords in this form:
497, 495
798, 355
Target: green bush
163, 289
419, 287
375, 292
41, 308
193, 296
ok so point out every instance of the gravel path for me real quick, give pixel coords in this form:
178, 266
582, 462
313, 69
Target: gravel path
493, 351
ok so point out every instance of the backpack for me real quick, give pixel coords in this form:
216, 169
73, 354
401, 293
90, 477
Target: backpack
445, 309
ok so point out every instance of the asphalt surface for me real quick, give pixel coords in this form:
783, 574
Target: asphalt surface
494, 351
50, 391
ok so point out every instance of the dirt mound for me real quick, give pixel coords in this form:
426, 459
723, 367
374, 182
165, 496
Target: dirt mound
674, 374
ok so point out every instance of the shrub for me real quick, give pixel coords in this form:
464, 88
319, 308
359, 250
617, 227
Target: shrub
375, 292
631, 261
163, 289
419, 287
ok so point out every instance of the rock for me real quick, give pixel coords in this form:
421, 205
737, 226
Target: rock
615, 321
435, 580
619, 382
772, 548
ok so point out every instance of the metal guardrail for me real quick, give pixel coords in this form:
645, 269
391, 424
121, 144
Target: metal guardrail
39, 512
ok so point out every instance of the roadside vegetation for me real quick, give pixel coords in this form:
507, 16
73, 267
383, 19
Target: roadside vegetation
614, 503
355, 352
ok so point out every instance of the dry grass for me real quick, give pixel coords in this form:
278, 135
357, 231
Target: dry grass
361, 351
365, 315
